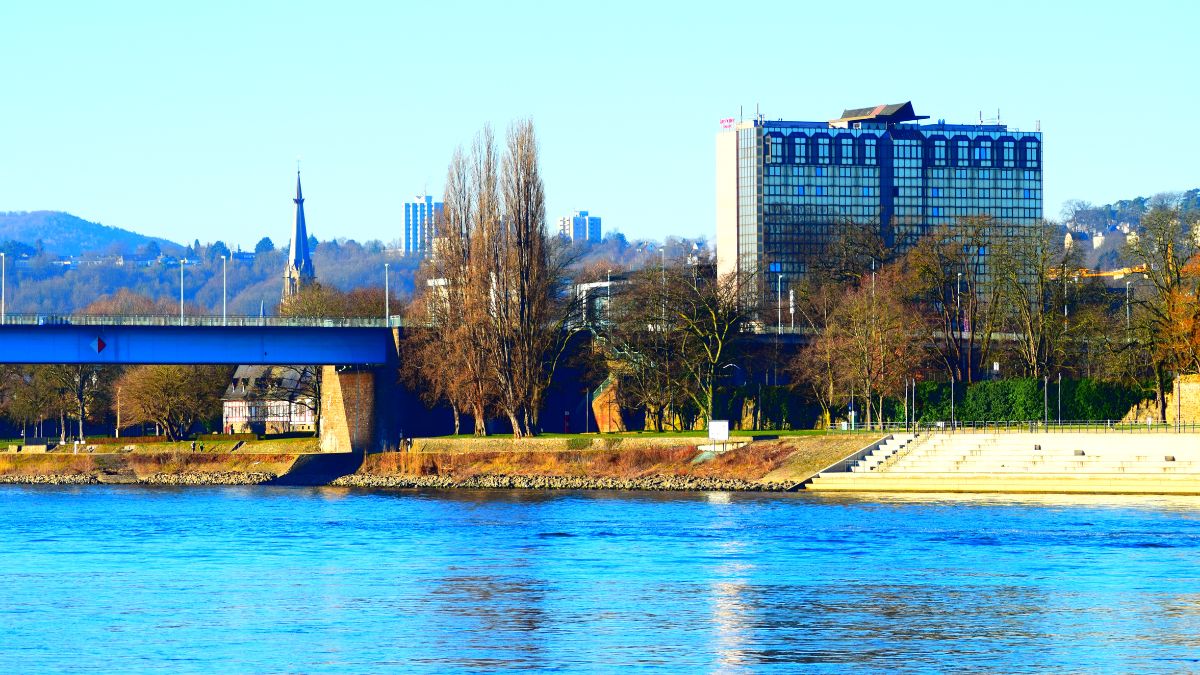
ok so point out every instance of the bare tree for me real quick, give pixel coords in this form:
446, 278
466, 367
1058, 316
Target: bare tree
1034, 271
1165, 249
952, 279
493, 292
709, 314
174, 397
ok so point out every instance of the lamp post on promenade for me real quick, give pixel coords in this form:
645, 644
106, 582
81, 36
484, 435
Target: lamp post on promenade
3, 284
387, 296
1046, 400
1060, 399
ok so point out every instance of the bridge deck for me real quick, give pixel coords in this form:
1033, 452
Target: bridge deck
74, 341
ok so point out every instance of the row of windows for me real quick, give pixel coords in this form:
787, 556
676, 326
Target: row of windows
823, 149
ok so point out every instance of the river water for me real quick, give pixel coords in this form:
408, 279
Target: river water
123, 579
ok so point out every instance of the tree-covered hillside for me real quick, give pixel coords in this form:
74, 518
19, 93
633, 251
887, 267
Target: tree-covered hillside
63, 234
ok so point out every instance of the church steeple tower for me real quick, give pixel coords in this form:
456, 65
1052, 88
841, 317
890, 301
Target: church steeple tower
299, 271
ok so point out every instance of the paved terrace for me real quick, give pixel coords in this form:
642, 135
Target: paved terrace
1087, 461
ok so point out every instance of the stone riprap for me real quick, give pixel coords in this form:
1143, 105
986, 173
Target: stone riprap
508, 482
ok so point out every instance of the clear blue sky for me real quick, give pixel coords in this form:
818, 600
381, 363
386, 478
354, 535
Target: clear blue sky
184, 120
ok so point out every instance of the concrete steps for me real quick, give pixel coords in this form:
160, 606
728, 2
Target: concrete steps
888, 448
1027, 462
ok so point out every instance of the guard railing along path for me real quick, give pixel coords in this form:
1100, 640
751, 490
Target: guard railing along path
1033, 426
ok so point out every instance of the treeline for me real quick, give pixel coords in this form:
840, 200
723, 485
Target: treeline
960, 310
979, 300
41, 285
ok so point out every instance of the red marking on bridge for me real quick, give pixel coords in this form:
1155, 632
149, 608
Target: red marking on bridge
99, 344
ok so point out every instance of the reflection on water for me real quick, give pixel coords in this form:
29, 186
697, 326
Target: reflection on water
334, 580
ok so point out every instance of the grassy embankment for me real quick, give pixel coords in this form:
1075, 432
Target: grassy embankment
142, 460
794, 457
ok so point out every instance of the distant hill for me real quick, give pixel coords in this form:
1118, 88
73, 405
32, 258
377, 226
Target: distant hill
64, 234
1081, 215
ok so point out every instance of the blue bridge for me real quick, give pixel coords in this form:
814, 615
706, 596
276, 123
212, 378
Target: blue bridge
358, 358
38, 339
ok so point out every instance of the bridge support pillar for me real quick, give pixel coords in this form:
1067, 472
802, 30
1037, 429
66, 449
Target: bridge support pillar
359, 406
347, 409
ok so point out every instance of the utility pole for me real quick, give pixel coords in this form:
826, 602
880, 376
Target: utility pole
387, 297
224, 289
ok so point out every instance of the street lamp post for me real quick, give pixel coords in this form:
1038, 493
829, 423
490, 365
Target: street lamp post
1046, 401
958, 316
3, 283
387, 296
779, 304
224, 289
181, 261
1127, 308
608, 294
792, 310
1060, 399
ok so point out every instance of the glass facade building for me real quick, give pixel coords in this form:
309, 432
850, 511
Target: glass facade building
782, 187
420, 225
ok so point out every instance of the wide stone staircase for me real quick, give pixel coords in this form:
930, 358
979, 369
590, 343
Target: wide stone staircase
1167, 463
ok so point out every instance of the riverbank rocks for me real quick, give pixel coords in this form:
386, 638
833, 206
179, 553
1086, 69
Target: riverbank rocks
506, 482
189, 478
207, 478
51, 479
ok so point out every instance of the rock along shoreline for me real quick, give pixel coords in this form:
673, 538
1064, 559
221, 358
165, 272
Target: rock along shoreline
656, 483
518, 482
187, 478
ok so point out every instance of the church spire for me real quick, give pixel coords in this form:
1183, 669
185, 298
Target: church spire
299, 271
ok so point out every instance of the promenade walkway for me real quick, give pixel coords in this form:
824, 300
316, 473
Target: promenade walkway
1167, 463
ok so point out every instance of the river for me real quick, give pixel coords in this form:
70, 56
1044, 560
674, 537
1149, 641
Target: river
124, 579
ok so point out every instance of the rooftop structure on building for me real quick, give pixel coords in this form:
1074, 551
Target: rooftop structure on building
580, 227
421, 219
785, 187
299, 271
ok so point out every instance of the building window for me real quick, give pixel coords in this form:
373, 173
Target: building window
846, 149
1009, 153
869, 150
983, 153
801, 150
961, 156
822, 151
1031, 154
939, 152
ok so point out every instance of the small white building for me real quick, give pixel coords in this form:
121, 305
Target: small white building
270, 400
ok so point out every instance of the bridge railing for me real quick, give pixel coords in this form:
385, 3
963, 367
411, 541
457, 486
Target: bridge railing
1034, 426
47, 319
